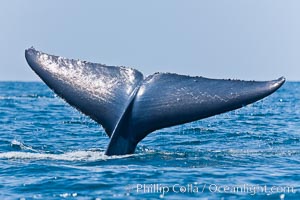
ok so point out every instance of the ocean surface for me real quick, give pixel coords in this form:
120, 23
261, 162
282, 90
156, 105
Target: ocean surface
48, 150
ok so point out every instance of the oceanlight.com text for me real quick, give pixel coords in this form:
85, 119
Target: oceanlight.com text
164, 189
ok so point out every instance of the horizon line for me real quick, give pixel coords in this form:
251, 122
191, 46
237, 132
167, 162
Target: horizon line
40, 81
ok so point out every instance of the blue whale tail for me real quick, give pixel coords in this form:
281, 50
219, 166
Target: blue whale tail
129, 106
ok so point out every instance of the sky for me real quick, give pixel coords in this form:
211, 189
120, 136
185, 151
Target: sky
249, 39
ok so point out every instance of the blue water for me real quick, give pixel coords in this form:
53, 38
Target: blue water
48, 150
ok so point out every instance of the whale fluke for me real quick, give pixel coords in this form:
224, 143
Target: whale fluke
130, 107
101, 92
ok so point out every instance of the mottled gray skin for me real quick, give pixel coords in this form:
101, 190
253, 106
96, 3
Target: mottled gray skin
130, 107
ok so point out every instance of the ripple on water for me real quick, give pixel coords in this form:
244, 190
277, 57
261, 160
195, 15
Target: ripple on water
48, 150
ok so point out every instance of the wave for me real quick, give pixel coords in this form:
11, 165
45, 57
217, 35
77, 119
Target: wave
28, 152
68, 156
19, 145
28, 96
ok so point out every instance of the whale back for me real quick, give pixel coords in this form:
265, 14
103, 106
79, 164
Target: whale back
99, 91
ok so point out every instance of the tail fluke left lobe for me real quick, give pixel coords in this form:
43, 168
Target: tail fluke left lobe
99, 91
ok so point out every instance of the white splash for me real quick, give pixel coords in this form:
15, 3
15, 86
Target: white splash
68, 156
21, 145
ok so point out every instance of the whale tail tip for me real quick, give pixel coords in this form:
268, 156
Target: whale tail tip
279, 82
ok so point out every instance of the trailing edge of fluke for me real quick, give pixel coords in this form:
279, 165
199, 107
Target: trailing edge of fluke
129, 106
